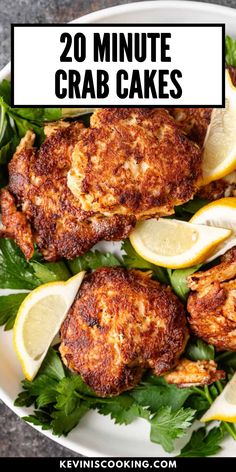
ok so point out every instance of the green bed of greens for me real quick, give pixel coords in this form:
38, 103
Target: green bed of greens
61, 398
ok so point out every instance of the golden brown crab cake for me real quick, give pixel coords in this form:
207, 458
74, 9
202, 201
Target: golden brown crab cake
121, 323
193, 122
53, 126
14, 224
39, 207
225, 187
134, 161
189, 373
212, 303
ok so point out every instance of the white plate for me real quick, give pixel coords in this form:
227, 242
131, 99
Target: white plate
97, 435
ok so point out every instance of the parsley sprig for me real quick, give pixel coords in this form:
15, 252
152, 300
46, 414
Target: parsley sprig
61, 399
203, 443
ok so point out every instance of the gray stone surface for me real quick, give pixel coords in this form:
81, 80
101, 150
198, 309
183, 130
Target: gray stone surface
16, 437
19, 439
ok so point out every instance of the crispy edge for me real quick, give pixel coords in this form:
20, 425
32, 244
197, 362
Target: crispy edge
220, 273
189, 373
102, 123
176, 333
15, 224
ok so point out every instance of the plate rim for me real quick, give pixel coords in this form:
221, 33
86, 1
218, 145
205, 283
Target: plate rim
95, 17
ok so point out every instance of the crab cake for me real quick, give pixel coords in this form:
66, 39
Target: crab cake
193, 122
225, 187
38, 207
189, 373
212, 303
121, 323
134, 161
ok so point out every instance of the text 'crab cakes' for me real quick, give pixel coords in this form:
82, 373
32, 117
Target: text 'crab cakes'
134, 161
121, 323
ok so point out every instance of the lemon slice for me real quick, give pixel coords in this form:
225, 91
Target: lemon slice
219, 154
224, 406
175, 244
221, 214
39, 319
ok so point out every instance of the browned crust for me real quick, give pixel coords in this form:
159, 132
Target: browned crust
224, 271
134, 161
193, 122
212, 305
217, 189
121, 323
189, 374
15, 224
38, 180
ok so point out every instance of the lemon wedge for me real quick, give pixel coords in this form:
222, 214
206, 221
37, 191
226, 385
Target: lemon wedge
224, 406
39, 319
175, 244
221, 214
219, 154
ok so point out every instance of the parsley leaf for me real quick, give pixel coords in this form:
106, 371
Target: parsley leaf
230, 52
178, 280
5, 91
7, 150
133, 261
227, 360
67, 396
62, 399
39, 115
3, 176
198, 350
15, 122
43, 389
52, 366
40, 418
92, 260
63, 423
122, 415
9, 306
203, 443
168, 425
185, 211
199, 403
15, 271
24, 399
18, 273
50, 271
156, 396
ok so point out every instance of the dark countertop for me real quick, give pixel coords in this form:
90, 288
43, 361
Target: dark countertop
16, 437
